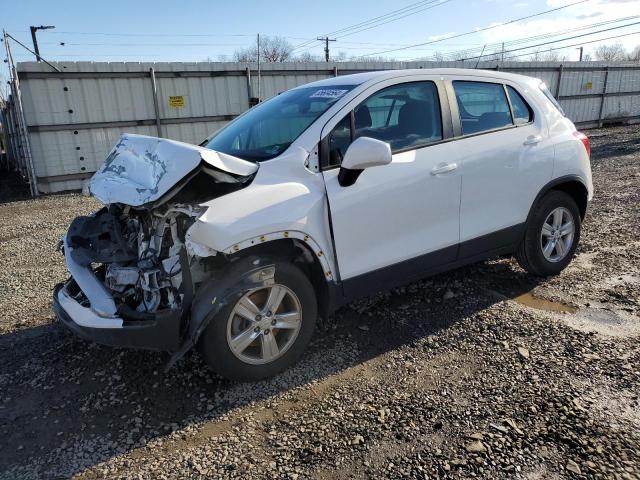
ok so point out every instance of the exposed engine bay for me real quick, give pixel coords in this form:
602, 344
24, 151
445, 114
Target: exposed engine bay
139, 255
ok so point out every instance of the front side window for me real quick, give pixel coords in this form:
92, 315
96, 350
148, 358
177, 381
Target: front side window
482, 106
405, 116
522, 112
268, 129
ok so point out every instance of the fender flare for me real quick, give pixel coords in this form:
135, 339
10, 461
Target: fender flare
227, 286
550, 185
293, 234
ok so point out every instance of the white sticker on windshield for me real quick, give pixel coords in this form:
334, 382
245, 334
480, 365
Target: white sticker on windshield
329, 93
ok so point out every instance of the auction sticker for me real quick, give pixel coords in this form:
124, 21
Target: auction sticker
329, 93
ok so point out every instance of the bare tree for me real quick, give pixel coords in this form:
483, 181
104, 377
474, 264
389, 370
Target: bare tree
548, 56
308, 57
551, 56
272, 49
275, 49
635, 54
369, 59
610, 53
340, 57
459, 55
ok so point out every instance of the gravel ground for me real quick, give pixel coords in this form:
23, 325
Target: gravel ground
483, 372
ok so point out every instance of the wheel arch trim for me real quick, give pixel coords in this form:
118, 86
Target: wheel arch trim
303, 237
553, 184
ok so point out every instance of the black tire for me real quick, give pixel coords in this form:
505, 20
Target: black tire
529, 253
217, 353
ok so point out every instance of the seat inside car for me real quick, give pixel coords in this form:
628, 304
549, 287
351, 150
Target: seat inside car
362, 117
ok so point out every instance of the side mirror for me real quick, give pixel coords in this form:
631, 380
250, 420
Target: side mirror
363, 153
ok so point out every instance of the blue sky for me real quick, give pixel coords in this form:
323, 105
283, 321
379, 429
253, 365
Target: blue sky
196, 30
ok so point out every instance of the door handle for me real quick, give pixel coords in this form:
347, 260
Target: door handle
532, 140
444, 168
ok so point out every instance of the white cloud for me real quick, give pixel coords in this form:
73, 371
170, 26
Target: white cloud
566, 20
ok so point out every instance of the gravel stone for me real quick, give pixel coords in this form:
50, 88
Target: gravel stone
433, 374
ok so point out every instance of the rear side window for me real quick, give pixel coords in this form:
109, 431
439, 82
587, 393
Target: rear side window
547, 93
522, 112
482, 106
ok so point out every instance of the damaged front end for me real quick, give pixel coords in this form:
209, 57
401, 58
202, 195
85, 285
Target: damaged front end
132, 276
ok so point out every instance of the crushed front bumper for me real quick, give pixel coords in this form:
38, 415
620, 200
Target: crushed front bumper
86, 307
161, 334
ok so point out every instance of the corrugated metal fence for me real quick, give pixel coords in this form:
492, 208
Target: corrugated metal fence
74, 116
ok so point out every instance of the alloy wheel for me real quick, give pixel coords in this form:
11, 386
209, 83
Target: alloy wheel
264, 324
557, 234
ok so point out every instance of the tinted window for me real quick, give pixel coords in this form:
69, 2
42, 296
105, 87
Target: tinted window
339, 140
268, 129
521, 111
405, 116
482, 106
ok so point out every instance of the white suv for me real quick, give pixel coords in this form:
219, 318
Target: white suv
323, 194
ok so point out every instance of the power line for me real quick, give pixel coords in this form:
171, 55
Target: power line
541, 37
442, 2
359, 24
556, 41
387, 17
575, 44
146, 44
479, 30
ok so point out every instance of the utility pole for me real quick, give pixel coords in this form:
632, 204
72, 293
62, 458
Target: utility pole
581, 49
326, 41
502, 56
35, 40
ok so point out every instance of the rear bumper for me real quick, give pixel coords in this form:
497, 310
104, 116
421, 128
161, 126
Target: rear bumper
160, 334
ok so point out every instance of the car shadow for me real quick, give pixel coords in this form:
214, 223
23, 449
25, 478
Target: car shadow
67, 404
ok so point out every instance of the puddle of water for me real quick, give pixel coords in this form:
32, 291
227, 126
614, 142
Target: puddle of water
530, 300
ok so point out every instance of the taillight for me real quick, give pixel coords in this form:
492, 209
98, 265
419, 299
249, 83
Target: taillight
585, 141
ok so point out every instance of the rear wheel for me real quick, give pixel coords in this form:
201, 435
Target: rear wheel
265, 331
551, 235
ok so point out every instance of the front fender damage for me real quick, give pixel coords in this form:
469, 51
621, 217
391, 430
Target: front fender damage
223, 289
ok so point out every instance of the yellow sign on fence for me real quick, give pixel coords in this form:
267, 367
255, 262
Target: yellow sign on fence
176, 101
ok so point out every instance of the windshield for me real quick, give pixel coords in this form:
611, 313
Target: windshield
268, 129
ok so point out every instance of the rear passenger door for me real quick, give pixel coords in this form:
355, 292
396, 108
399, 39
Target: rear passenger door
397, 220
506, 159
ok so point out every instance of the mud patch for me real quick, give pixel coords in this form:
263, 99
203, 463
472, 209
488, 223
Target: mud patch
532, 301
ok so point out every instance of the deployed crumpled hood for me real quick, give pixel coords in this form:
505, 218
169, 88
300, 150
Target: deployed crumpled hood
141, 169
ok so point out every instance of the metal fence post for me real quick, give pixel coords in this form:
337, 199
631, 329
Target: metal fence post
249, 88
604, 95
559, 84
156, 106
21, 123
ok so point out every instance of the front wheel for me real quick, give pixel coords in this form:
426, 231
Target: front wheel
265, 331
551, 235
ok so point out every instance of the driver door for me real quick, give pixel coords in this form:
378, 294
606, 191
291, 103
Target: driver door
397, 221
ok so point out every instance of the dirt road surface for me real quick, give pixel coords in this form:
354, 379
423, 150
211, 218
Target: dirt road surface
484, 372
